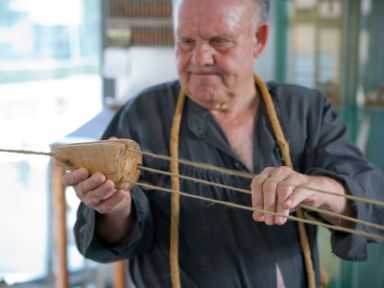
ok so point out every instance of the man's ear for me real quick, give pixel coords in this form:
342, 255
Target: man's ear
261, 38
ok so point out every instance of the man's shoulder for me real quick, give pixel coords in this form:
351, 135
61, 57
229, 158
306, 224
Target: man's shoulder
284, 90
291, 99
159, 92
165, 88
159, 95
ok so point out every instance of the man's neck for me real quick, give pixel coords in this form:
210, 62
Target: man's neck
241, 106
237, 125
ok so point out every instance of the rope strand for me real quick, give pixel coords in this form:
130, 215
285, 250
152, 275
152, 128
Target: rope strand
199, 165
286, 157
28, 152
208, 167
248, 192
232, 188
252, 209
245, 175
175, 199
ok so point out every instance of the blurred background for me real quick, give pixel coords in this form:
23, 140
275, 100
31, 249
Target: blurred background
66, 65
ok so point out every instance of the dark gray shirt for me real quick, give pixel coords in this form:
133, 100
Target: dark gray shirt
221, 246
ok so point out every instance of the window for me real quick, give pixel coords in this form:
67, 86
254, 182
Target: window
49, 86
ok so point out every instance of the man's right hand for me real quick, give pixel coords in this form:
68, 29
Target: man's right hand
97, 192
114, 206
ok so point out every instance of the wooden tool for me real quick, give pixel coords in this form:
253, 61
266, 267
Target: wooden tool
117, 159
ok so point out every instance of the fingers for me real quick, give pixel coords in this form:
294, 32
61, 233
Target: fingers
92, 183
270, 196
115, 203
93, 196
301, 195
270, 191
257, 197
96, 191
75, 177
275, 191
284, 190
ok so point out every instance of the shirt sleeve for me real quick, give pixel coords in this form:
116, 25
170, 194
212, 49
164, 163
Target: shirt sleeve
334, 155
139, 238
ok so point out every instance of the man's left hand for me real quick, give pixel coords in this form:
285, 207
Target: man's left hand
282, 190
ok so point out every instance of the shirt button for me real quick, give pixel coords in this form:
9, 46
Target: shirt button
199, 131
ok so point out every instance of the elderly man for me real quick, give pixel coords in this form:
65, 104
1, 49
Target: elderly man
225, 123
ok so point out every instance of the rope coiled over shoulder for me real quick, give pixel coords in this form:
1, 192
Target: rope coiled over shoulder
175, 182
286, 157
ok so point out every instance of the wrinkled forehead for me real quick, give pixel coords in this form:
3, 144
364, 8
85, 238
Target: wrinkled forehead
203, 13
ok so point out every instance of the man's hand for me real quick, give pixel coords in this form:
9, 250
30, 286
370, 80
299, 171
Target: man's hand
97, 192
281, 190
114, 206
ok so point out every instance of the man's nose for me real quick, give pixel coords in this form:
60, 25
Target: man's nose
203, 55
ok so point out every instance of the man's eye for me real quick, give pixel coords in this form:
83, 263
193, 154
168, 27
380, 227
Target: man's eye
220, 43
186, 43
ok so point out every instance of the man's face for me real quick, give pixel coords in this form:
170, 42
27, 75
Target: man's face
216, 44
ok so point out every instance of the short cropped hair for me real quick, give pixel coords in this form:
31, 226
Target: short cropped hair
260, 14
264, 6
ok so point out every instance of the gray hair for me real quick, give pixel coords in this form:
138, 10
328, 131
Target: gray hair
261, 11
264, 6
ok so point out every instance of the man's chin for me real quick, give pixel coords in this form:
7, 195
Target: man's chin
206, 100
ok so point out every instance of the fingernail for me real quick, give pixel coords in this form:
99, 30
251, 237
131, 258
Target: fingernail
259, 209
280, 220
258, 217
